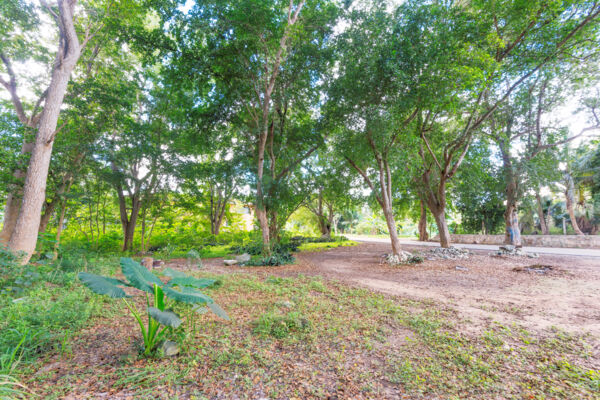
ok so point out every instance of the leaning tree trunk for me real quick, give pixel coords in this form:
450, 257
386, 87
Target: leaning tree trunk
541, 216
570, 201
59, 228
391, 224
423, 235
24, 236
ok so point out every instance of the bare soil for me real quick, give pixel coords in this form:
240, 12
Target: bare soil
497, 289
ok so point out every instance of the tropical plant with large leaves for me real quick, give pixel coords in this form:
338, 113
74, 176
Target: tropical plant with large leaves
161, 319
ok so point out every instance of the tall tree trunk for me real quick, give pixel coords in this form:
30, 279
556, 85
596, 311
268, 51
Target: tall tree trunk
384, 198
541, 216
273, 226
512, 232
143, 232
49, 209
128, 222
13, 200
423, 235
436, 201
24, 237
570, 201
59, 227
439, 214
260, 207
391, 224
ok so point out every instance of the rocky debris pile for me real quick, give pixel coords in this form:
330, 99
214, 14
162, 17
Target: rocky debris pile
447, 253
510, 250
151, 263
403, 258
537, 268
241, 259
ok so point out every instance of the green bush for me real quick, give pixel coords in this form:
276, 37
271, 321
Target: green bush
274, 260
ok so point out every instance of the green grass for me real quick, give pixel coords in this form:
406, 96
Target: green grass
215, 251
306, 337
325, 246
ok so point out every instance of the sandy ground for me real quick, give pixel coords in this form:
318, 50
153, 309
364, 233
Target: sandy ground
567, 297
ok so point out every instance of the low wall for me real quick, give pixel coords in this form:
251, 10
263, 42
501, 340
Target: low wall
575, 241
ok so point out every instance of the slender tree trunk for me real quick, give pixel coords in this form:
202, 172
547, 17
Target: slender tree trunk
59, 228
541, 216
143, 233
391, 224
47, 215
24, 236
423, 235
260, 209
273, 226
570, 201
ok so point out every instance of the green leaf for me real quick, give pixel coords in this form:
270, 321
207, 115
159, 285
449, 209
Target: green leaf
167, 317
187, 295
138, 276
159, 298
214, 307
102, 285
200, 309
191, 281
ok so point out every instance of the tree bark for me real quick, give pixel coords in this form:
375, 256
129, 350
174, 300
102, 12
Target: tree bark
570, 201
24, 237
13, 200
59, 228
439, 214
423, 235
541, 216
436, 202
128, 222
513, 231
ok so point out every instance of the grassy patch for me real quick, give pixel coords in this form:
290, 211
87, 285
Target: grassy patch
305, 337
325, 245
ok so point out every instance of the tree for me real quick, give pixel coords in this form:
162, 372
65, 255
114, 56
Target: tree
263, 62
477, 192
371, 108
22, 215
331, 184
505, 44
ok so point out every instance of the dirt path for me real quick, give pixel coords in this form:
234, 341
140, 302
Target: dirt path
568, 297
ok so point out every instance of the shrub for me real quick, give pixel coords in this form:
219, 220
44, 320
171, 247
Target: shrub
160, 318
274, 260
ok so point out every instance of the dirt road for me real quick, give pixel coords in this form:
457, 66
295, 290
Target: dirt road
567, 297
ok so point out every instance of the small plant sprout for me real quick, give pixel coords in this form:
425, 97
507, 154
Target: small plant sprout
161, 319
193, 259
